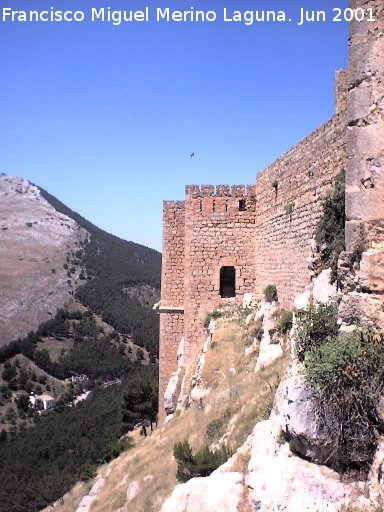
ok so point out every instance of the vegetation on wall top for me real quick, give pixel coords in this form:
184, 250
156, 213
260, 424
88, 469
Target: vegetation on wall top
330, 233
270, 293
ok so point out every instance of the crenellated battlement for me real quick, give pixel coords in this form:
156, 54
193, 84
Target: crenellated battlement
171, 208
174, 204
199, 191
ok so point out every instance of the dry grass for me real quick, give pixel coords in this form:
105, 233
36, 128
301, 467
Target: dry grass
56, 347
72, 499
152, 457
236, 403
244, 396
227, 352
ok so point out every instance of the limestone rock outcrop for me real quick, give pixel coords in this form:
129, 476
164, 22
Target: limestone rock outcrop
300, 424
271, 343
280, 481
170, 395
206, 494
35, 239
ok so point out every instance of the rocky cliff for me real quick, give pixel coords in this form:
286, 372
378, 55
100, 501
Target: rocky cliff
36, 242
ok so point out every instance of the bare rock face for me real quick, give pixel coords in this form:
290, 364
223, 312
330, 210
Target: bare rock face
303, 300
217, 492
375, 477
280, 481
133, 490
323, 291
250, 300
34, 241
270, 344
299, 421
87, 500
170, 395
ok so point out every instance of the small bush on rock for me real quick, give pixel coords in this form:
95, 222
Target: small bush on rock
203, 463
330, 234
314, 327
270, 293
285, 322
253, 331
346, 375
289, 207
213, 315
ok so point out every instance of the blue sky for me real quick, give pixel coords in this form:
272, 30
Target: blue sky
105, 117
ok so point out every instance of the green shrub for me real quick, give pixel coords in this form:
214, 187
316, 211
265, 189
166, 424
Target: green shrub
203, 463
289, 207
216, 428
314, 327
285, 322
346, 375
254, 330
270, 293
330, 233
357, 253
213, 315
88, 472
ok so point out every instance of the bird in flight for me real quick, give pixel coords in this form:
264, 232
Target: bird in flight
192, 155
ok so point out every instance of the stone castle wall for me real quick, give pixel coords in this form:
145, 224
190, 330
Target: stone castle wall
268, 239
219, 231
364, 231
172, 273
172, 292
290, 195
341, 90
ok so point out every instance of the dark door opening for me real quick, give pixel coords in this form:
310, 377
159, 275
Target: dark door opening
227, 282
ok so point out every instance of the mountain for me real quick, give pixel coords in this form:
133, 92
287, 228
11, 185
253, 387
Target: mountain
75, 307
123, 280
50, 254
36, 242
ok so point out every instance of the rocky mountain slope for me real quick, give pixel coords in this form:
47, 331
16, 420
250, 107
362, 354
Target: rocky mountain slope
35, 241
49, 254
282, 458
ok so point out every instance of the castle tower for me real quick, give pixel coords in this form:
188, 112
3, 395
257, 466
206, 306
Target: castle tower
219, 253
172, 294
365, 170
208, 260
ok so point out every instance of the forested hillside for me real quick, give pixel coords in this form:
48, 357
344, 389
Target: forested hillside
39, 465
71, 386
112, 266
65, 444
